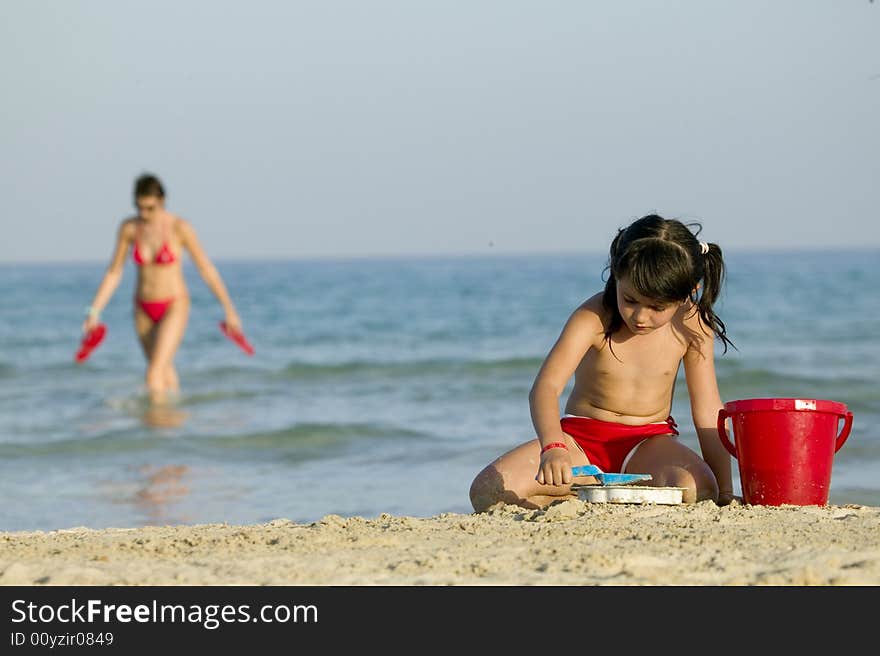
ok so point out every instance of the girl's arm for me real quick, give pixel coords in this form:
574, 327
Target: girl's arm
557, 370
699, 369
112, 277
208, 272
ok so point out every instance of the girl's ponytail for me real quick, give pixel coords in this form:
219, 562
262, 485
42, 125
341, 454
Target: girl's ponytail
713, 279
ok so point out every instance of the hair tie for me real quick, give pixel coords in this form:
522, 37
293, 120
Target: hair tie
704, 247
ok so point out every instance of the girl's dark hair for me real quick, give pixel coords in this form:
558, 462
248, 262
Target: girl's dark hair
148, 185
663, 260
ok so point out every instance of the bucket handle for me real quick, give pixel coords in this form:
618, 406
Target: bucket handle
725, 440
847, 427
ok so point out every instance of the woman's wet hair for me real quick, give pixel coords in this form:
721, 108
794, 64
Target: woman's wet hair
148, 184
662, 259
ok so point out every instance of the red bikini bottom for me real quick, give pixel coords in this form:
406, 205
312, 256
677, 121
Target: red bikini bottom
608, 445
155, 309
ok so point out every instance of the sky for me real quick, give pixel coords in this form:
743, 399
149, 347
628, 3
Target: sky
286, 129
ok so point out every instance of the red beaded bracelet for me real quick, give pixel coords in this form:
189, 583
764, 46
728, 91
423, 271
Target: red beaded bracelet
554, 445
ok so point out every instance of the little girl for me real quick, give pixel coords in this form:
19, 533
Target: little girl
624, 347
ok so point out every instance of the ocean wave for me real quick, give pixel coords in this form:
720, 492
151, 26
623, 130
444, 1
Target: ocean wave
295, 442
297, 370
782, 383
308, 436
138, 403
110, 442
199, 398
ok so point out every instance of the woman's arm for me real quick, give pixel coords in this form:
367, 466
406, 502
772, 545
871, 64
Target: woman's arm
702, 383
557, 370
208, 272
112, 277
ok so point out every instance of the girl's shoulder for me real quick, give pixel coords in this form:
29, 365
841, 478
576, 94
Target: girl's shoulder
593, 304
592, 313
695, 332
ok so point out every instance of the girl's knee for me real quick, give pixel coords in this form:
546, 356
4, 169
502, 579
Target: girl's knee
491, 486
487, 489
697, 480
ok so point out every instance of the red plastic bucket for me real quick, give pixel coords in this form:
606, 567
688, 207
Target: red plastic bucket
784, 447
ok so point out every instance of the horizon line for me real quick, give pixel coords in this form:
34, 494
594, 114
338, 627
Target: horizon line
457, 254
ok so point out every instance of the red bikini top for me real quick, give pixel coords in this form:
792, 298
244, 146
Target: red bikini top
163, 256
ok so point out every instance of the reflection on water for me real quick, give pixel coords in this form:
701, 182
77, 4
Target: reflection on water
163, 487
162, 415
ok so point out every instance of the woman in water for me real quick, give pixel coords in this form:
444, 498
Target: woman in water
157, 239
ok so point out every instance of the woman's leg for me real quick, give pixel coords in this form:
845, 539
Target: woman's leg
161, 377
672, 464
511, 479
146, 330
172, 382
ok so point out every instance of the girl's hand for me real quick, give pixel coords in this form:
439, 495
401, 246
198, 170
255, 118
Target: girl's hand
555, 467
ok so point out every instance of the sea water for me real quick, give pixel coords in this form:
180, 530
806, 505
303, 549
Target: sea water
377, 386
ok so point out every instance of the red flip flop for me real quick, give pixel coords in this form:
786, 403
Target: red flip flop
238, 338
90, 341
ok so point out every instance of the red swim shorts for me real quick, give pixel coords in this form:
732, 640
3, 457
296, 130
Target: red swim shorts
609, 445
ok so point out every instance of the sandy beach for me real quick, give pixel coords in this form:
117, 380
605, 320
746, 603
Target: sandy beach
569, 543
